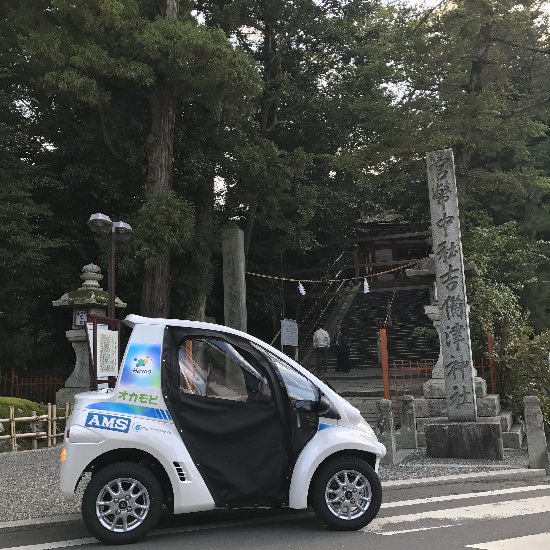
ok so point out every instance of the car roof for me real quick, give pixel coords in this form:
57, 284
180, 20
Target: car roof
132, 320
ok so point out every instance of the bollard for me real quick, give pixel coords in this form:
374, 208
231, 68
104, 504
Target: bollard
386, 429
408, 423
536, 438
34, 430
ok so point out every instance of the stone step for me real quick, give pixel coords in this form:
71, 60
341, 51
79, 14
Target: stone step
373, 392
513, 439
506, 420
488, 405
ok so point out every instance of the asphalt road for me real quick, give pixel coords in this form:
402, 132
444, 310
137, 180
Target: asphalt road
445, 517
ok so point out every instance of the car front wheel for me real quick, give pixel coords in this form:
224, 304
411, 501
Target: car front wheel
346, 493
122, 503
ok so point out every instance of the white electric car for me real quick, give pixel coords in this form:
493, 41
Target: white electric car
206, 417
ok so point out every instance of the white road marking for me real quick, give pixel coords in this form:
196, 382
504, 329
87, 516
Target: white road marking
166, 531
532, 542
458, 516
57, 544
497, 492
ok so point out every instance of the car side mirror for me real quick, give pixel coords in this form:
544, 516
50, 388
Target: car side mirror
326, 408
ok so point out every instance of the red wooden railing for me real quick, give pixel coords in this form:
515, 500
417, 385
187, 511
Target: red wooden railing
41, 389
408, 377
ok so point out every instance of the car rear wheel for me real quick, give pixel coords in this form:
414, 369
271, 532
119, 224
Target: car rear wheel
122, 503
346, 493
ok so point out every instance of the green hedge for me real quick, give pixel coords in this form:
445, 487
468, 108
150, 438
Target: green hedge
527, 373
23, 407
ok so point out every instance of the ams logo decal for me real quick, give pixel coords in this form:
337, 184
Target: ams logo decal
108, 422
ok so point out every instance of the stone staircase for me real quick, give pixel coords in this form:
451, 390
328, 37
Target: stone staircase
363, 386
361, 325
359, 314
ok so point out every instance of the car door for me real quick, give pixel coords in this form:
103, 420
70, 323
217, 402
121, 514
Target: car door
302, 403
225, 400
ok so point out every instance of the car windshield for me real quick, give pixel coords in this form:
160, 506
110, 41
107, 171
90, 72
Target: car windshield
299, 388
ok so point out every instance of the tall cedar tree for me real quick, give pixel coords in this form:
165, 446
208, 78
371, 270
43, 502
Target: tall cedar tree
94, 51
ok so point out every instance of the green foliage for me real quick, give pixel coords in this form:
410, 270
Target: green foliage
495, 307
527, 372
104, 43
504, 255
507, 261
164, 222
308, 112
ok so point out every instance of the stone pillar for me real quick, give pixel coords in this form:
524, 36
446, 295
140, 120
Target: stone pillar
536, 438
386, 429
451, 289
408, 423
234, 284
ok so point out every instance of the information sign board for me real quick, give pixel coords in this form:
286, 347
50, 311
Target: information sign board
289, 332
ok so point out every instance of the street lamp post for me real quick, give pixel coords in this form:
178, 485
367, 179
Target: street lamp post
100, 223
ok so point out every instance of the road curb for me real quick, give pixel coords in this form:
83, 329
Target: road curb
37, 523
504, 475
499, 475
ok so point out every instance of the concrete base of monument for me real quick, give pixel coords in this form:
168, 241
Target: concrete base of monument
66, 395
486, 406
464, 440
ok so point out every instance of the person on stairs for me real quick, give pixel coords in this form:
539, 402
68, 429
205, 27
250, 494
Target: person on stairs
321, 342
343, 346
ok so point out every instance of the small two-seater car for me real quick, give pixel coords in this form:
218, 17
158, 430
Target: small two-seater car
205, 417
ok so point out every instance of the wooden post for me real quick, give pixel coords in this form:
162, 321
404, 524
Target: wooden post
12, 429
94, 358
495, 382
54, 424
385, 366
34, 430
49, 430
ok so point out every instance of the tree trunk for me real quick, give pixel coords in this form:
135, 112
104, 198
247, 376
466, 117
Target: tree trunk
155, 289
160, 160
204, 211
249, 224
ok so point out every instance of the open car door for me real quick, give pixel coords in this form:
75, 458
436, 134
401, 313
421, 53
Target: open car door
226, 400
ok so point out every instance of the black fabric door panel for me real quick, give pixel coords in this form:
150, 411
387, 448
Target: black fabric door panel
239, 448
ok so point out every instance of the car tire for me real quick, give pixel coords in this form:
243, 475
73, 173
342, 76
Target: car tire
346, 493
122, 503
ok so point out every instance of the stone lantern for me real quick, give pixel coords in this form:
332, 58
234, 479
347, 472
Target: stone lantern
90, 298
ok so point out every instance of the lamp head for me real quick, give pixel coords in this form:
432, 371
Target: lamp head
123, 231
100, 223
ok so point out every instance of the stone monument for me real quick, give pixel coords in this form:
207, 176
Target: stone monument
234, 283
90, 298
461, 436
424, 272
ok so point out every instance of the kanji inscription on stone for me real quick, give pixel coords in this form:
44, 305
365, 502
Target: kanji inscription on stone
451, 288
